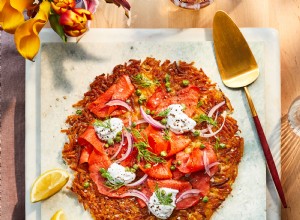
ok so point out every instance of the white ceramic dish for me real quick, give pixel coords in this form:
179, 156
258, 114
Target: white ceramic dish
62, 73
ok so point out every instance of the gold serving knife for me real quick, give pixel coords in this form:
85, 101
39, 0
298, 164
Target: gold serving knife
238, 68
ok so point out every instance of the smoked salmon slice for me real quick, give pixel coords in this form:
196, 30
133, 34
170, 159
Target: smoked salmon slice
90, 138
160, 140
121, 90
188, 96
96, 162
192, 162
158, 171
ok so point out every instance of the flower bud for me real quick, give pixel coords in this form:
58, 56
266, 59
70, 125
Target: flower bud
61, 6
74, 21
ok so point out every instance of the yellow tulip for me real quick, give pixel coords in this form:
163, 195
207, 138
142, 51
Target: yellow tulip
11, 13
26, 35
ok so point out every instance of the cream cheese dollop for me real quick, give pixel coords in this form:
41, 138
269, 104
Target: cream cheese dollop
119, 174
109, 128
160, 210
178, 121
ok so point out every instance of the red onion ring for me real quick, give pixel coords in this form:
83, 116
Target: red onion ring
120, 103
215, 108
150, 120
212, 164
216, 132
187, 194
141, 121
129, 147
137, 194
206, 163
139, 182
120, 147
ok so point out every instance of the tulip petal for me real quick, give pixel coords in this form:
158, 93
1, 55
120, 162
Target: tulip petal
11, 13
26, 35
91, 5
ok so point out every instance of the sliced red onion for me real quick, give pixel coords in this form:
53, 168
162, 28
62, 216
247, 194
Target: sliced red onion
212, 165
215, 108
141, 121
150, 120
120, 103
187, 194
206, 163
129, 121
216, 132
137, 194
120, 147
211, 134
129, 147
139, 182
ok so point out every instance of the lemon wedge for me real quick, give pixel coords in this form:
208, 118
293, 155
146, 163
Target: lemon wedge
47, 184
59, 215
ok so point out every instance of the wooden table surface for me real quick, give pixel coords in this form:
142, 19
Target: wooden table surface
281, 15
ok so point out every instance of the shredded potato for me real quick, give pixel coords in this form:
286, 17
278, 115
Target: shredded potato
102, 207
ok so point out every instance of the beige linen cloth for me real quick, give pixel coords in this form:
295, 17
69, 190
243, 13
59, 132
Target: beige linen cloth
12, 130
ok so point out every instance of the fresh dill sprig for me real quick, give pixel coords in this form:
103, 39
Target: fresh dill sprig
167, 136
143, 81
136, 133
205, 118
110, 182
163, 197
145, 154
104, 124
164, 113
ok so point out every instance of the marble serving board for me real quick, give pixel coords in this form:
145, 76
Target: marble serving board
62, 73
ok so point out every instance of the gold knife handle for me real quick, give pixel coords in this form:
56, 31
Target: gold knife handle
266, 150
250, 102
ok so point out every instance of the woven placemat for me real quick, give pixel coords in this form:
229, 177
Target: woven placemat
12, 130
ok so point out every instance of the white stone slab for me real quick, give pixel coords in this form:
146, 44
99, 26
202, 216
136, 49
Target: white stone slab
62, 73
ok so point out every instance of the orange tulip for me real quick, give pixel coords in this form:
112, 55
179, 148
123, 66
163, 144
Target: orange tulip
61, 6
74, 21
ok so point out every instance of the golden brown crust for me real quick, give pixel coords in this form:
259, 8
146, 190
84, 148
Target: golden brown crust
102, 207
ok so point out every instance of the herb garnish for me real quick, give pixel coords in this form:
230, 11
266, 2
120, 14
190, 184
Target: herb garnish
163, 197
143, 81
205, 118
166, 136
164, 113
219, 145
199, 104
110, 182
78, 112
136, 133
143, 152
104, 124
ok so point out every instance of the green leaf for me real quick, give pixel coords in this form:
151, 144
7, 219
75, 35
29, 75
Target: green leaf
205, 118
110, 182
163, 197
143, 81
164, 113
104, 124
54, 22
